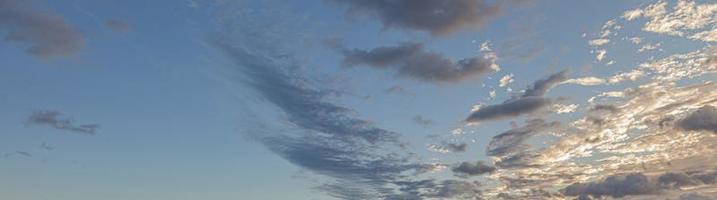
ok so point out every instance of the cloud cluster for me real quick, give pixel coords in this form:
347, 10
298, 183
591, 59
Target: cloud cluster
48, 35
618, 186
530, 101
53, 119
413, 61
435, 16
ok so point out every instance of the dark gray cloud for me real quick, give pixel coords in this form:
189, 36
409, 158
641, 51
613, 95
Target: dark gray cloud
457, 147
618, 186
512, 141
117, 25
614, 186
509, 109
48, 35
542, 86
435, 16
473, 168
55, 120
413, 61
703, 119
530, 101
324, 138
423, 121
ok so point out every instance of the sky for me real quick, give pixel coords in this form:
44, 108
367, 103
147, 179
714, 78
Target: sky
358, 99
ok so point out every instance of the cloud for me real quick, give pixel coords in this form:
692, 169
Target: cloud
48, 35
413, 61
457, 147
618, 186
702, 119
614, 186
423, 121
542, 86
505, 80
117, 25
512, 142
432, 189
473, 169
53, 119
509, 109
434, 16
360, 159
531, 101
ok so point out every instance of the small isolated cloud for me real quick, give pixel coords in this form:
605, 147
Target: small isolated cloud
703, 119
117, 25
434, 16
531, 101
47, 35
423, 121
447, 147
54, 119
507, 79
473, 168
413, 61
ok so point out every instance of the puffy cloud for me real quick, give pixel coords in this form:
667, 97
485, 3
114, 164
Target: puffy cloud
704, 118
473, 168
411, 60
505, 80
25, 24
686, 18
531, 101
53, 119
435, 16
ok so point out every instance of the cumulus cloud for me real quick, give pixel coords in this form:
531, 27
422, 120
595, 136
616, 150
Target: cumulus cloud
473, 168
47, 35
530, 101
413, 61
505, 80
704, 118
54, 119
434, 16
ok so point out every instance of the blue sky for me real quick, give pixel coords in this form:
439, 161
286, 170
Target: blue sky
351, 99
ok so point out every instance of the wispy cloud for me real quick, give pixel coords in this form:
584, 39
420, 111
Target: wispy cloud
530, 101
47, 34
413, 61
54, 119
